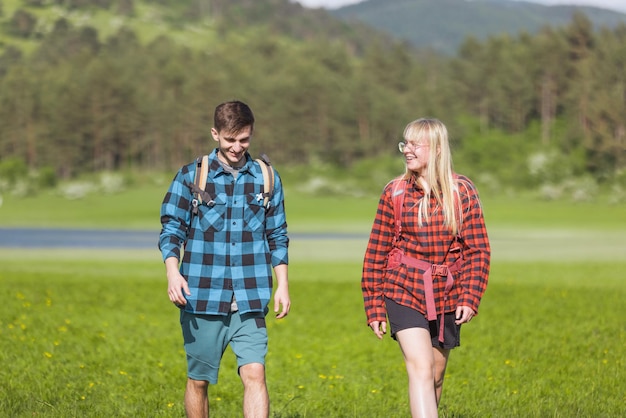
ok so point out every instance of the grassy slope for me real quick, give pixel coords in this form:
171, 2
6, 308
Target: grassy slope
91, 333
519, 228
92, 336
137, 207
149, 22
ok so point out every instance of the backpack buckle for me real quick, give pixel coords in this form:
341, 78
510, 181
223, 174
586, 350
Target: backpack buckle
439, 270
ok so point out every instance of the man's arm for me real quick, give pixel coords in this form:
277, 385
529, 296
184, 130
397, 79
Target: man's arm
176, 283
175, 219
281, 296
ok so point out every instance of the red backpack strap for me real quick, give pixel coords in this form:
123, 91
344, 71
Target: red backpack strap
397, 197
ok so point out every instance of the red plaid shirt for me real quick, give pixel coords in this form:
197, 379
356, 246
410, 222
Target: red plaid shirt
431, 243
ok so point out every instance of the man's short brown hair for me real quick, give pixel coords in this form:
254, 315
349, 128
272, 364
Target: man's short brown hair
233, 117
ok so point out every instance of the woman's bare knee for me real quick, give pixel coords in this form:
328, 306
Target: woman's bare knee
420, 370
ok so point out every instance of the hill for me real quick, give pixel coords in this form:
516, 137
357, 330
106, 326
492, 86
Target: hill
191, 23
442, 25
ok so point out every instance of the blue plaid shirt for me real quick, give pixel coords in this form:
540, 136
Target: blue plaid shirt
233, 242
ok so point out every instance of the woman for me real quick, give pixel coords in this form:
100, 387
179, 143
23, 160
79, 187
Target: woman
426, 261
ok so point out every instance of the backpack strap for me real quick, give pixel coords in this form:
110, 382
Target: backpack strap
268, 180
199, 181
397, 197
202, 173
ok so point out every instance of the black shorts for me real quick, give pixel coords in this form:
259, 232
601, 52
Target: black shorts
402, 317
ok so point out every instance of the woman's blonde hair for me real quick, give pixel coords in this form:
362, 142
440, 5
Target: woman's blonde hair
439, 175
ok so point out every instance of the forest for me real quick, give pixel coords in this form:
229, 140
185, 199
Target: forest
523, 111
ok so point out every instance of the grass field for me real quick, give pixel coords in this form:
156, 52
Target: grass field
92, 333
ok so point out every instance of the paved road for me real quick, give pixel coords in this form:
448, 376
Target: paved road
80, 238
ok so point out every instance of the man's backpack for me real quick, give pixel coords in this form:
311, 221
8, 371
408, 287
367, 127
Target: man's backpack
202, 171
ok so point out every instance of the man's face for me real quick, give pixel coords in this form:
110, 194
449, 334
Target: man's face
232, 148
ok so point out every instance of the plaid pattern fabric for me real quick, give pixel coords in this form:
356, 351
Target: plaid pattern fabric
233, 242
430, 242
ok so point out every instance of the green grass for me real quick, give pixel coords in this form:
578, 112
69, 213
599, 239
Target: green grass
519, 228
92, 333
138, 205
86, 333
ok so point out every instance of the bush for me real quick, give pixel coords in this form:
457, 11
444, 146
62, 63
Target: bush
12, 170
578, 189
47, 178
548, 166
617, 194
111, 183
76, 190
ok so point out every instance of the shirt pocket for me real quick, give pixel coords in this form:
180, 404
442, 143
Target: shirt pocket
254, 214
211, 214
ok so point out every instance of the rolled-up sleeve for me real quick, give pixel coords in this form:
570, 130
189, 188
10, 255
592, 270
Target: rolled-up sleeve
276, 226
379, 245
477, 250
175, 215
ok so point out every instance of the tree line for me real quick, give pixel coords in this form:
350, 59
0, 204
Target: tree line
80, 104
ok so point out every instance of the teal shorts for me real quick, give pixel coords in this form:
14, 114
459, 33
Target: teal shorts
207, 336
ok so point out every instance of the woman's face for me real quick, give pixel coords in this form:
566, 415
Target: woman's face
416, 155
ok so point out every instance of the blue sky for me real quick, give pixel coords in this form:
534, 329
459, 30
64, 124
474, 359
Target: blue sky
619, 5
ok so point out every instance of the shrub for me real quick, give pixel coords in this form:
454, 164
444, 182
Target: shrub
12, 170
76, 190
111, 182
47, 178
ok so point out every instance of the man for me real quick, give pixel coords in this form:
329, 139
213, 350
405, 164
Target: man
224, 283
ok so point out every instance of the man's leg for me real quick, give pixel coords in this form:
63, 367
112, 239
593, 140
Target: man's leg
417, 349
196, 399
441, 360
256, 401
205, 342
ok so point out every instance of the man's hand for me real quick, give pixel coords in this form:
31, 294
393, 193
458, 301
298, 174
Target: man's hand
175, 287
379, 328
176, 283
281, 297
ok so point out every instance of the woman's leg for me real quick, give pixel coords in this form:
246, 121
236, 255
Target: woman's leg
441, 360
419, 358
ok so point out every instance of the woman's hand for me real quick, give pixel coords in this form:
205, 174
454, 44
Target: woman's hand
464, 314
379, 328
